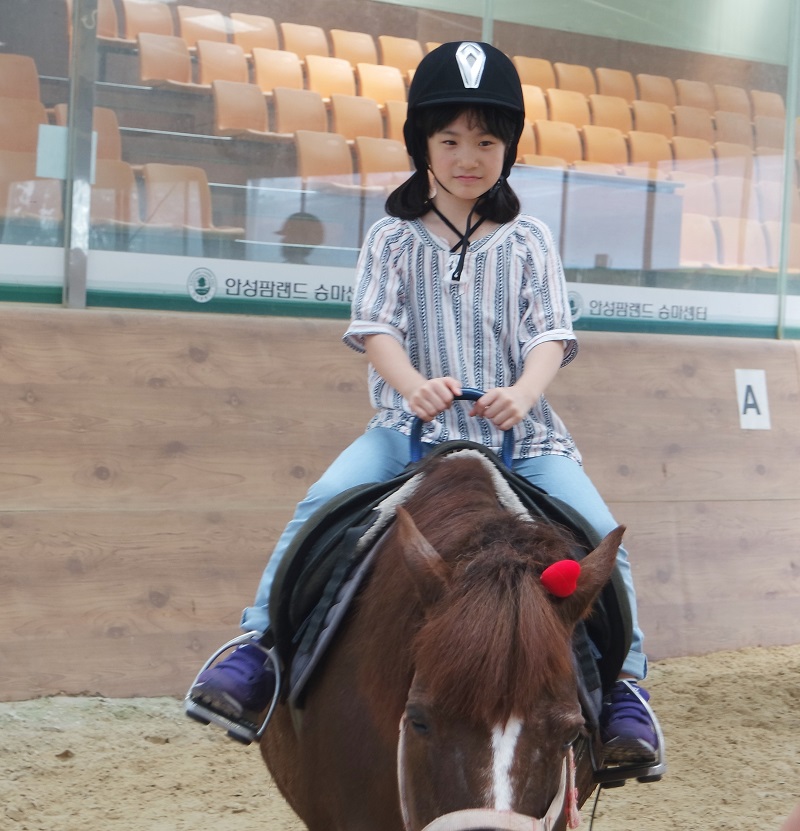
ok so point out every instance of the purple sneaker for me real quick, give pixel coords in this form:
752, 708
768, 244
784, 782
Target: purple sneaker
626, 729
239, 687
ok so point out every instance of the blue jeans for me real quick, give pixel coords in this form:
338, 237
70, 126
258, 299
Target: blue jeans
380, 454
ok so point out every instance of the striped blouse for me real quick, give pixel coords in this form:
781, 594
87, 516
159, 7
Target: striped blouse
511, 297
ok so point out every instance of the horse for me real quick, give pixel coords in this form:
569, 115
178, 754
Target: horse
449, 700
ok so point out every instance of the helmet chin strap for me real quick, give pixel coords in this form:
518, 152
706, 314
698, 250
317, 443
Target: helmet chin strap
463, 242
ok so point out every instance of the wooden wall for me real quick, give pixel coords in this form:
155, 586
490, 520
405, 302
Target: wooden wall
149, 460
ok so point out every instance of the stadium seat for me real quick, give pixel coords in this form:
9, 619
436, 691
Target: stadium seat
298, 109
146, 16
695, 94
251, 31
527, 140
201, 24
115, 197
605, 145
653, 117
742, 243
19, 77
733, 159
105, 124
402, 52
658, 88
568, 105
19, 124
649, 154
732, 99
616, 82
772, 232
178, 196
536, 160
735, 197
575, 77
276, 68
694, 155
769, 131
734, 127
534, 101
536, 71
355, 115
325, 158
697, 192
767, 103
694, 122
329, 76
355, 47
699, 246
395, 118
769, 196
304, 39
381, 162
381, 83
240, 110
558, 138
218, 61
611, 111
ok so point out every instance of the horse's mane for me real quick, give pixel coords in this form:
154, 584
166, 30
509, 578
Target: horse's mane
494, 643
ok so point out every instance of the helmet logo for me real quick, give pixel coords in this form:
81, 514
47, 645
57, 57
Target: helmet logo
471, 60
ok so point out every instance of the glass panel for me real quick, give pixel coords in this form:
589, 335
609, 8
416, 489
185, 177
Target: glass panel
665, 180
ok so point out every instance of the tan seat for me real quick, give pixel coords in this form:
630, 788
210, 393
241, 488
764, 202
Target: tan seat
734, 127
699, 246
649, 154
658, 88
769, 131
695, 94
218, 61
605, 145
537, 160
325, 159
735, 197
568, 105
653, 117
558, 138
694, 122
402, 52
165, 61
276, 68
733, 99
23, 195
240, 110
382, 162
329, 76
150, 16
611, 111
20, 119
697, 192
527, 140
575, 77
694, 155
534, 101
251, 31
19, 77
304, 39
616, 82
394, 119
767, 103
536, 71
769, 196
196, 24
298, 109
772, 231
178, 196
734, 159
355, 47
108, 29
381, 83
742, 243
355, 115
115, 196
106, 125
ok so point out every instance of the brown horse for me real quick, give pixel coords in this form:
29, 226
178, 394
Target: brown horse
450, 701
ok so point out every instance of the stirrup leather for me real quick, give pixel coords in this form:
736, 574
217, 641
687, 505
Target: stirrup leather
616, 775
243, 731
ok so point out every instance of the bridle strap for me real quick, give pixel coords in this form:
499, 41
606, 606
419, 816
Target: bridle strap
480, 818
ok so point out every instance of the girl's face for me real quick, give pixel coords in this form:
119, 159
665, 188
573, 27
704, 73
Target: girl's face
465, 159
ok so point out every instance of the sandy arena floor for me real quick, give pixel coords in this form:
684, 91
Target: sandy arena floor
731, 720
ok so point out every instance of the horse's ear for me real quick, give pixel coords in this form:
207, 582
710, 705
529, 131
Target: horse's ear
427, 569
596, 569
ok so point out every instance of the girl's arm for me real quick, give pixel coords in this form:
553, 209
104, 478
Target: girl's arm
505, 407
427, 397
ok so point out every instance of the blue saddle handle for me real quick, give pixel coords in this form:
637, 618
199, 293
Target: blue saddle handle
467, 394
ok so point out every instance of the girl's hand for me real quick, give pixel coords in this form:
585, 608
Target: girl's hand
433, 396
505, 407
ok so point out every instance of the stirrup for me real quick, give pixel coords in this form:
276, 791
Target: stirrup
617, 775
242, 731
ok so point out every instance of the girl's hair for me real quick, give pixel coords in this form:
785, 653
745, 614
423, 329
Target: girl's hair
410, 200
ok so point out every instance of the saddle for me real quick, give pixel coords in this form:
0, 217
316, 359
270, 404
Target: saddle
331, 555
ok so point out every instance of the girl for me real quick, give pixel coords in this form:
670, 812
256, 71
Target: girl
455, 288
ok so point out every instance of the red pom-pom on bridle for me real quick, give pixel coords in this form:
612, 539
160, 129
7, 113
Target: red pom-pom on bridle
561, 578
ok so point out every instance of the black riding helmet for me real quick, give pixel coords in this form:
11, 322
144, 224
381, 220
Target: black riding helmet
463, 72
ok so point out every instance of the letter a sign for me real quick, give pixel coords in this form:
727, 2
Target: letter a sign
751, 394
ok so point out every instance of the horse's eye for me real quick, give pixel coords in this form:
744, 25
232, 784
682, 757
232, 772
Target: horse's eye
416, 718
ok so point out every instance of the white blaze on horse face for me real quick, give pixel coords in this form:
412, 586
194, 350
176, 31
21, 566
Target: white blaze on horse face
504, 746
